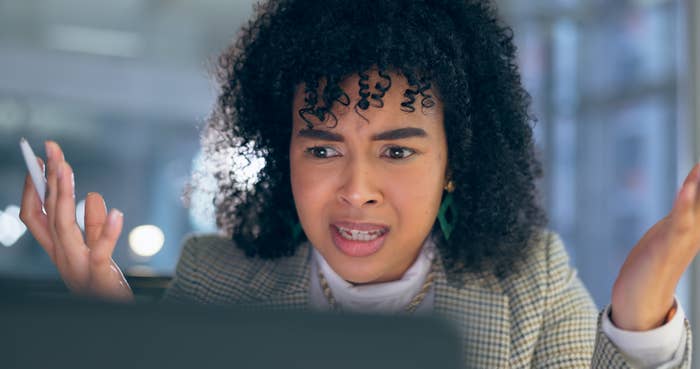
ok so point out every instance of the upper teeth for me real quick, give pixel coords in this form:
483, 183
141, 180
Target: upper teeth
357, 235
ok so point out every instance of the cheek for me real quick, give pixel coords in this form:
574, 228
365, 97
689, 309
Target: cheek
311, 190
416, 194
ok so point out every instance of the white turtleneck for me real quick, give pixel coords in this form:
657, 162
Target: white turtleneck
387, 297
652, 348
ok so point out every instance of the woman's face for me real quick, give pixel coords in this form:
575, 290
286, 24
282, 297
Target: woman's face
367, 193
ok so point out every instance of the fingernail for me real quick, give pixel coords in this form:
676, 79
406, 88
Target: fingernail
72, 184
114, 215
41, 164
47, 147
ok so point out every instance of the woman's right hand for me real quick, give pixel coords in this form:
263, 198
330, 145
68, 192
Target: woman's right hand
85, 265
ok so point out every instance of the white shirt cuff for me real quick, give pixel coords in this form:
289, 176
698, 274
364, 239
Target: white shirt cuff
649, 349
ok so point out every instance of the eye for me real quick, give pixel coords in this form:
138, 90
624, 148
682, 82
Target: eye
322, 152
398, 152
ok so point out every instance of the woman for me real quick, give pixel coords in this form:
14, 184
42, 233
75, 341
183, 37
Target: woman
399, 177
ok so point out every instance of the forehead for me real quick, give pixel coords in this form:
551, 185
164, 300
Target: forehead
391, 113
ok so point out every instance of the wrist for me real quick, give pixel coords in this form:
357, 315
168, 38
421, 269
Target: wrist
642, 324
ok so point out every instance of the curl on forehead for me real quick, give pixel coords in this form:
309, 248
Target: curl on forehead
317, 100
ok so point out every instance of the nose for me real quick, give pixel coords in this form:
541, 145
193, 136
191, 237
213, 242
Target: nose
359, 186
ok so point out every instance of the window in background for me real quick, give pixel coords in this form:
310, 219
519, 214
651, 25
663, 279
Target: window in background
603, 78
124, 87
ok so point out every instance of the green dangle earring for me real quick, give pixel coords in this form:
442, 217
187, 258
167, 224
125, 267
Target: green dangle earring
447, 209
295, 225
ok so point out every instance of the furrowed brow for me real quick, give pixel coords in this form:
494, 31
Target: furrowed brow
394, 134
320, 135
397, 134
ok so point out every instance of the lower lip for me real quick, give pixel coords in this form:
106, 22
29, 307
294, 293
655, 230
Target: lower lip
357, 248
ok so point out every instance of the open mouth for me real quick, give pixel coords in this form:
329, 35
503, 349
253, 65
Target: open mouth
356, 242
357, 235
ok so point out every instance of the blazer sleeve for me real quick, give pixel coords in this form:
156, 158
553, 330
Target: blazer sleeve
184, 287
572, 335
607, 355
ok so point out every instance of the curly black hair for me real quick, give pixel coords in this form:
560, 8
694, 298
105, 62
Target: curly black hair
460, 48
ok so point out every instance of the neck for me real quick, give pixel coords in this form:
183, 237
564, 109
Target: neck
391, 277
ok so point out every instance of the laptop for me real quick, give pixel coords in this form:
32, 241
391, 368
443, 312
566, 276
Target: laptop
40, 332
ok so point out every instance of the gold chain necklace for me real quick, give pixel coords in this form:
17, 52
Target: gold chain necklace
410, 308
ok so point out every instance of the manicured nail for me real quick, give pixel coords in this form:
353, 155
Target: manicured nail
72, 184
47, 147
41, 164
114, 216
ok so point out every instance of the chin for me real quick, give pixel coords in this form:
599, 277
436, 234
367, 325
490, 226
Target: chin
357, 281
358, 274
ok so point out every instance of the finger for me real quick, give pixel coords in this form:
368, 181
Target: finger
102, 250
58, 151
696, 180
686, 202
50, 198
32, 214
95, 217
67, 229
692, 176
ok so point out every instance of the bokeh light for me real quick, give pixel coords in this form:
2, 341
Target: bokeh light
146, 240
11, 227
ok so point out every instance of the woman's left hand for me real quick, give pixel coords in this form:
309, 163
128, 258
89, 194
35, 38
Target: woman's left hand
644, 290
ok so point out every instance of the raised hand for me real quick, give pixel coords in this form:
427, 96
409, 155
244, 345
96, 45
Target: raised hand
85, 265
643, 292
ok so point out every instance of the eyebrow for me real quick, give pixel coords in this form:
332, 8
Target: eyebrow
394, 134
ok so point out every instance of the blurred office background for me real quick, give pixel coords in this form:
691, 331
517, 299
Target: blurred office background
124, 87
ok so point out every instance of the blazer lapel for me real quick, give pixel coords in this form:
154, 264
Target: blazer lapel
294, 300
480, 311
288, 284
476, 305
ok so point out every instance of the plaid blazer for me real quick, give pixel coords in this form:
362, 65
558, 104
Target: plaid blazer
542, 317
